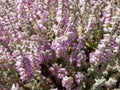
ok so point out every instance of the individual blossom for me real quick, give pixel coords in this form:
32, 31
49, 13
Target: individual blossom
15, 86
22, 35
54, 69
79, 78
62, 72
58, 71
40, 25
67, 82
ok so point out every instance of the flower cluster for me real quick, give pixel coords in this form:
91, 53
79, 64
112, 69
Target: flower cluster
61, 44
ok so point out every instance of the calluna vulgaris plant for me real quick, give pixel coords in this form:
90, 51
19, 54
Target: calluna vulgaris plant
59, 44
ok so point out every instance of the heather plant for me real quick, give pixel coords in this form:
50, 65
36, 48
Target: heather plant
59, 44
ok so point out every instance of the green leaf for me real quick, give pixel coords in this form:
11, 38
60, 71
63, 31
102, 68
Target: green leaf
90, 45
69, 49
109, 25
79, 30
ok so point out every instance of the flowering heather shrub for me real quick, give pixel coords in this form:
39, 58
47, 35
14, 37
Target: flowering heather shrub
59, 44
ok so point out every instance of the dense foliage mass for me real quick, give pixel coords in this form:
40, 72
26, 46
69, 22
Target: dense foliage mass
59, 44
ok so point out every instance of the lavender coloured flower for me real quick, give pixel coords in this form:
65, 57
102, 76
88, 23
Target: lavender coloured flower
61, 44
54, 69
43, 52
79, 78
25, 24
67, 82
59, 17
107, 48
58, 71
20, 68
77, 55
23, 65
28, 67
62, 72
